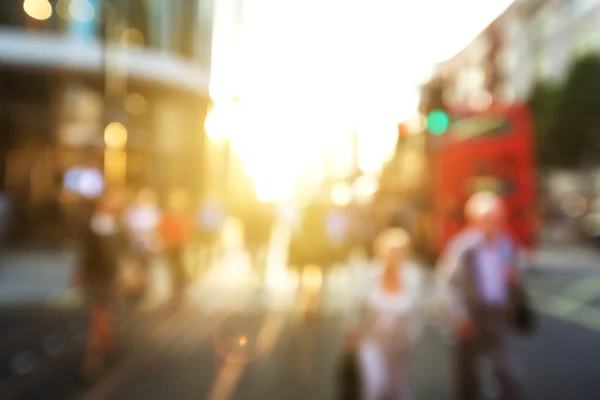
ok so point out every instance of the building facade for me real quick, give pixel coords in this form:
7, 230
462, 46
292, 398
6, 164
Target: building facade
531, 41
69, 68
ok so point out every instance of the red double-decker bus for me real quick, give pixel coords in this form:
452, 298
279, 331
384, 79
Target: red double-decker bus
485, 151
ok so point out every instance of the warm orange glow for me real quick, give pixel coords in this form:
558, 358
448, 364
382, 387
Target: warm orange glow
301, 100
115, 165
115, 135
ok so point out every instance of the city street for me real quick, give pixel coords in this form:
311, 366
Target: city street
239, 339
203, 183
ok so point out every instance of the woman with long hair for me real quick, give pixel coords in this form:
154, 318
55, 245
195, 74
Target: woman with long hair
388, 321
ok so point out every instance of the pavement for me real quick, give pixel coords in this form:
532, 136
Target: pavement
243, 338
35, 276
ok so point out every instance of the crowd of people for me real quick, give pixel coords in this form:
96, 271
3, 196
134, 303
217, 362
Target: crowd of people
120, 242
480, 283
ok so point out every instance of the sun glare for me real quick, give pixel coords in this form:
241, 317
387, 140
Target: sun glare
308, 79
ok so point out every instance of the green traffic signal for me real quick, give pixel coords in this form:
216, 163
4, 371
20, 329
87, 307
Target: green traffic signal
438, 122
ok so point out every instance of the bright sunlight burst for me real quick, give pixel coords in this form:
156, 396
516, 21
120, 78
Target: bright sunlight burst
308, 79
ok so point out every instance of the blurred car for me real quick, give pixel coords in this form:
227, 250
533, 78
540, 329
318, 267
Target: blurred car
323, 237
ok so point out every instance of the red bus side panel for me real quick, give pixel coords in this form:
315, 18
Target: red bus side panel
500, 157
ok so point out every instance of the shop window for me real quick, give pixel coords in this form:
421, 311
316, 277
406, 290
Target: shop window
139, 20
185, 22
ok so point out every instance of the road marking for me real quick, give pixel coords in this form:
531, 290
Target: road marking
587, 316
230, 374
227, 380
583, 291
568, 310
554, 305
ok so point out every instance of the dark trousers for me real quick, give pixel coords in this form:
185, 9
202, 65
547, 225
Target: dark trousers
492, 340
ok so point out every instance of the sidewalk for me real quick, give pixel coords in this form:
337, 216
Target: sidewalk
35, 276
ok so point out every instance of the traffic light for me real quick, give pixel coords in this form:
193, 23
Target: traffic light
433, 105
438, 122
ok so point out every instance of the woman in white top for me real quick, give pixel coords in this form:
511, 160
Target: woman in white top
388, 321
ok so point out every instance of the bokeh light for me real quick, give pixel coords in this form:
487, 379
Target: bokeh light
136, 104
132, 38
82, 11
365, 187
38, 9
115, 135
62, 9
438, 122
341, 194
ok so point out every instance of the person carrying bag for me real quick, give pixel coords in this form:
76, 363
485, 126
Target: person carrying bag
378, 348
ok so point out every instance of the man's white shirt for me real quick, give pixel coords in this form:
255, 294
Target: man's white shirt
490, 269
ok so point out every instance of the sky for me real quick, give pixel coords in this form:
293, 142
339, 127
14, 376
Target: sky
311, 72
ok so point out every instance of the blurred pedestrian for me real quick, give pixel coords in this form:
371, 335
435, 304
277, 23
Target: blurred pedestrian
480, 269
311, 282
258, 220
209, 226
103, 245
142, 219
389, 321
176, 231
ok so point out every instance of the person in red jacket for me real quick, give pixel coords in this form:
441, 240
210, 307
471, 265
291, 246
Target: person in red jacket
176, 232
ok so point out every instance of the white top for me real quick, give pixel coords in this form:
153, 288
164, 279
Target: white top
491, 267
142, 219
378, 314
389, 308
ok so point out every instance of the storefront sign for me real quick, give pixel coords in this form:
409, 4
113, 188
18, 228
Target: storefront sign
476, 126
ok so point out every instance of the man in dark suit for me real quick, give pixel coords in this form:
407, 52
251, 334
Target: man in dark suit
480, 269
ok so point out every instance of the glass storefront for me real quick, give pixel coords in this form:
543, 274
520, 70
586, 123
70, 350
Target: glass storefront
181, 27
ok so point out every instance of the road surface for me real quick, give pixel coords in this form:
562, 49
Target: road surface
242, 340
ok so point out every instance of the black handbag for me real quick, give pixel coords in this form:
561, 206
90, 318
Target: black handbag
523, 316
349, 387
